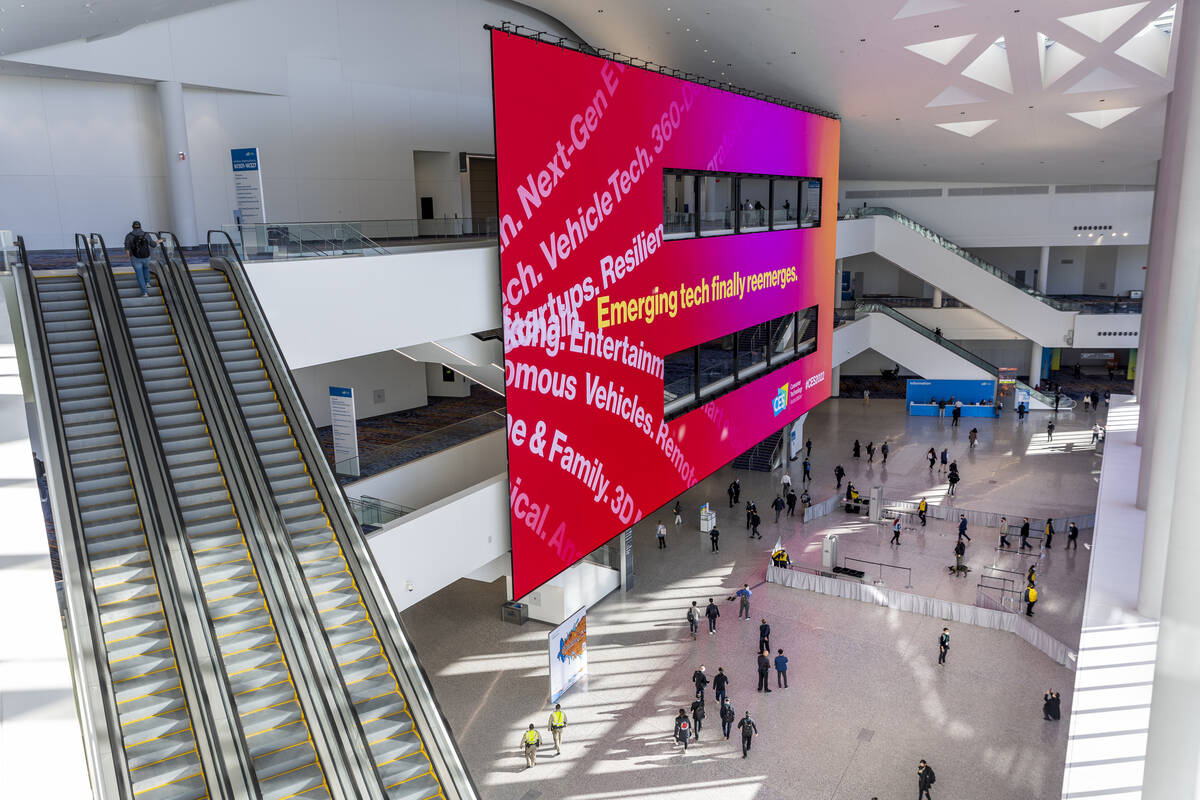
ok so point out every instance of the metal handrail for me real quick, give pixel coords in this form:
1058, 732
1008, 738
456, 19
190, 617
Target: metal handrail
881, 565
440, 744
220, 731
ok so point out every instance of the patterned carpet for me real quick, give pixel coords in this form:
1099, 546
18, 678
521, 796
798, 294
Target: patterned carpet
393, 439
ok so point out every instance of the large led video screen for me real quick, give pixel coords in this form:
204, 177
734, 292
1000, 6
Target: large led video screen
666, 267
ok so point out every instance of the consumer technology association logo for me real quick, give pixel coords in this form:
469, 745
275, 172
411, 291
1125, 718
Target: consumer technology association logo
779, 404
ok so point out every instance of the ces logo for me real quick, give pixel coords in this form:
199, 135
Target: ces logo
779, 404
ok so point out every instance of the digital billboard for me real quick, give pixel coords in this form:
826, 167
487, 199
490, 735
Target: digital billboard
666, 267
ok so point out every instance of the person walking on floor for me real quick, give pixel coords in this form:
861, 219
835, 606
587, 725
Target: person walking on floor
781, 670
683, 729
1072, 536
866, 397
737, 491
1050, 430
1004, 532
857, 449
1095, 432
1049, 531
839, 473
952, 480
678, 512
884, 450
661, 533
711, 612
693, 618
749, 731
728, 715
764, 669
749, 513
729, 492
778, 505
943, 645
925, 779
720, 684
922, 511
1031, 575
945, 459
870, 452
956, 414
701, 680
1031, 598
807, 476
714, 536
755, 521
1025, 545
764, 636
697, 718
558, 721
962, 528
530, 741
785, 483
1051, 706
895, 532
808, 448
743, 596
972, 436
932, 458
791, 503
960, 550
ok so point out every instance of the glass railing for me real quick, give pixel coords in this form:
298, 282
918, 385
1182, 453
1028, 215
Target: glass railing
380, 459
293, 240
1064, 401
1054, 302
374, 513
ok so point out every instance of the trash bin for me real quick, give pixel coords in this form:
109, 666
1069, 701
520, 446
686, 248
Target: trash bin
516, 613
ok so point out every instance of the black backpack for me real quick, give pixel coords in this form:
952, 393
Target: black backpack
140, 246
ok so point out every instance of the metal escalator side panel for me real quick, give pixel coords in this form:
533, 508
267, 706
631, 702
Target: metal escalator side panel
319, 529
271, 716
111, 554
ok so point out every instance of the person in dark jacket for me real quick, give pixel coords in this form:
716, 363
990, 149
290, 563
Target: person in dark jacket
870, 452
1072, 536
884, 450
857, 449
781, 670
960, 550
683, 728
1049, 532
749, 513
727, 717
764, 636
764, 669
778, 505
1051, 706
729, 492
952, 479
807, 467
712, 612
697, 718
925, 779
791, 502
714, 536
701, 680
839, 473
755, 521
943, 645
962, 528
1025, 535
749, 731
720, 682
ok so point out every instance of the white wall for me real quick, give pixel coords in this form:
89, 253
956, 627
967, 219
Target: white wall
1066, 278
337, 94
427, 480
870, 362
1008, 220
897, 343
1099, 270
437, 386
436, 175
435, 546
1107, 331
329, 309
1131, 269
401, 380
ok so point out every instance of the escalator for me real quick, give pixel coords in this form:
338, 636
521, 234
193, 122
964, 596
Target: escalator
409, 743
106, 540
271, 717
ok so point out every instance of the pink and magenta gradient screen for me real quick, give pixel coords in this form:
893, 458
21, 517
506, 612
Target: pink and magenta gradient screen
594, 298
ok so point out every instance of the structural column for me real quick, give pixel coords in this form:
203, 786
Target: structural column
178, 166
1173, 344
937, 297
1165, 195
1035, 364
1043, 276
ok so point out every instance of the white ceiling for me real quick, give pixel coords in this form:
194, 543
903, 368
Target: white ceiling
906, 96
29, 24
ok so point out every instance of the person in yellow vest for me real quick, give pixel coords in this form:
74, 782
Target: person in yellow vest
923, 509
1031, 598
558, 721
530, 741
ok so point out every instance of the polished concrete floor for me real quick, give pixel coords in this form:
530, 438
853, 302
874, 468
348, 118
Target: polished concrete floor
870, 699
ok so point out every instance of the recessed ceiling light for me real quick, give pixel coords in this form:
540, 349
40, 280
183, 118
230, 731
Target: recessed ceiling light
1031, 106
1125, 234
937, 26
862, 40
599, 10
793, 52
1101, 99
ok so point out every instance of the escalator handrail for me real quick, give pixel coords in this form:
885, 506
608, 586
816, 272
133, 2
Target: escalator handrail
260, 515
446, 759
228, 749
96, 699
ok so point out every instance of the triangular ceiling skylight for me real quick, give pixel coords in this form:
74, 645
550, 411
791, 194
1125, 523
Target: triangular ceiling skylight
1150, 48
1100, 80
915, 8
967, 129
954, 96
991, 68
942, 51
1102, 119
1057, 61
1099, 25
